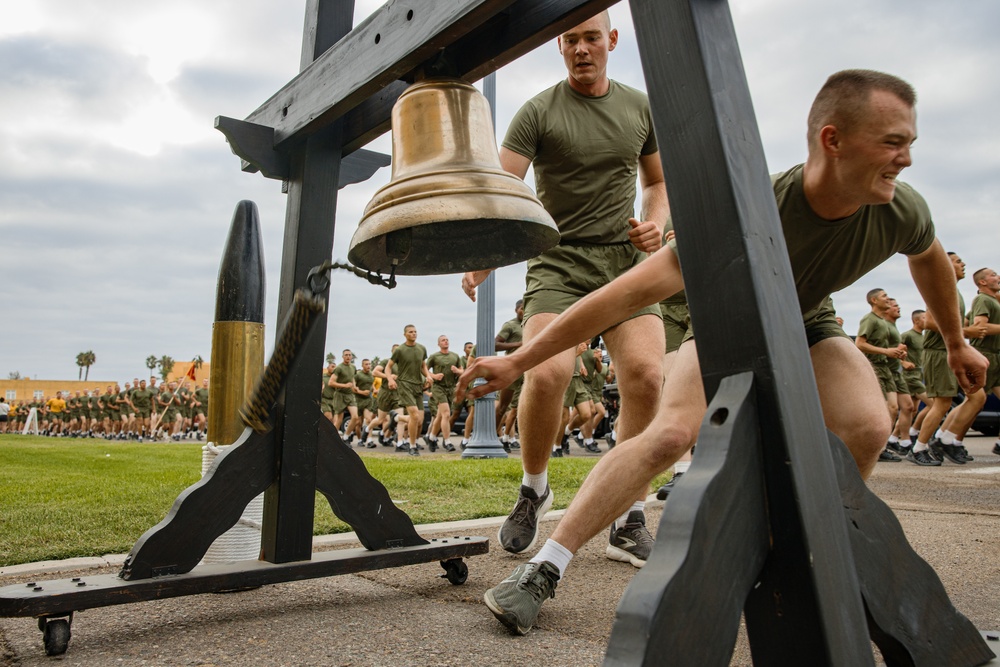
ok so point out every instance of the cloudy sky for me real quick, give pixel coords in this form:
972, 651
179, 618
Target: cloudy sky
116, 192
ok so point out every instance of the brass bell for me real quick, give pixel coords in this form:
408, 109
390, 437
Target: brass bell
448, 207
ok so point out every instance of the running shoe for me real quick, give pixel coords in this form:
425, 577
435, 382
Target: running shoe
519, 531
516, 600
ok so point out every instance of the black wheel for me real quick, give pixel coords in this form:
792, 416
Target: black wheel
56, 636
455, 571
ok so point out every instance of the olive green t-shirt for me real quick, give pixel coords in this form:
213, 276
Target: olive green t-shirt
984, 304
345, 375
828, 255
933, 340
511, 332
142, 398
585, 154
328, 391
364, 382
876, 332
442, 363
407, 361
914, 343
589, 361
201, 395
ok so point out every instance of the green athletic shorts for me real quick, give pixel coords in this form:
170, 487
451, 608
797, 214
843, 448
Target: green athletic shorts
576, 393
885, 378
676, 324
938, 376
342, 400
409, 394
993, 372
821, 323
387, 399
441, 394
560, 277
517, 386
914, 380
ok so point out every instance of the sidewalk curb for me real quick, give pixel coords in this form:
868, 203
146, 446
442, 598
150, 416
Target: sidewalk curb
319, 542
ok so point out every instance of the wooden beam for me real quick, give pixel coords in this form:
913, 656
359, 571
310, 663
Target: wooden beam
383, 48
808, 605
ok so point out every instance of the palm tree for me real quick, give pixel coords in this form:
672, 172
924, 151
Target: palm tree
81, 363
166, 365
86, 360
151, 363
330, 357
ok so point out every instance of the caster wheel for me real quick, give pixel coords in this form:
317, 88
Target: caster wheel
455, 571
55, 636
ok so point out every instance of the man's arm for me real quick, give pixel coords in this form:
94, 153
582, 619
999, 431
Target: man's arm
512, 163
935, 280
647, 234
984, 322
501, 344
895, 352
645, 284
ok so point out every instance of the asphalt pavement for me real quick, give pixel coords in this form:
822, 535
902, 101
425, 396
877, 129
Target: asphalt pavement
412, 616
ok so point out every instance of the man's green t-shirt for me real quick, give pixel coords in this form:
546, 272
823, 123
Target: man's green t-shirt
364, 382
511, 332
328, 391
589, 361
407, 361
876, 332
344, 373
914, 343
584, 152
984, 304
201, 395
142, 398
828, 255
442, 363
933, 340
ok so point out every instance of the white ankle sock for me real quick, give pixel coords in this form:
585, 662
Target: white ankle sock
639, 505
919, 447
554, 553
906, 444
946, 437
537, 483
914, 433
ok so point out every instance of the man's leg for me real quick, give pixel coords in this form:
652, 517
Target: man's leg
853, 406
538, 417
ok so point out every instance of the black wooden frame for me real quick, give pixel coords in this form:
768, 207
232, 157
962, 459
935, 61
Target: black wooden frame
773, 520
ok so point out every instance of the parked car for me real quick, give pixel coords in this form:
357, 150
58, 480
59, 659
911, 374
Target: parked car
987, 421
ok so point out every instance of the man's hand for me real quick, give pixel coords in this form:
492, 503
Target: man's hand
645, 236
975, 331
472, 280
498, 372
969, 367
392, 382
437, 376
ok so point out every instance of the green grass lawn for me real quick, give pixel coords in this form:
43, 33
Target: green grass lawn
65, 498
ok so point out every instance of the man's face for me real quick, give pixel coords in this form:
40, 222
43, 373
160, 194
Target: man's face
880, 302
366, 365
918, 321
142, 384
585, 50
348, 356
877, 149
519, 311
894, 309
991, 281
443, 343
204, 383
958, 265
468, 348
411, 334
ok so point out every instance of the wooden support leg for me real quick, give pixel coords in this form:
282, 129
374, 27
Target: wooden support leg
357, 498
206, 509
909, 614
685, 603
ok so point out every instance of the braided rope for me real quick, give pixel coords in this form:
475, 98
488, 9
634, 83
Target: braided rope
256, 412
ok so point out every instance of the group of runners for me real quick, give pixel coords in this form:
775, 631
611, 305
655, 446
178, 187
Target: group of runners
912, 370
141, 411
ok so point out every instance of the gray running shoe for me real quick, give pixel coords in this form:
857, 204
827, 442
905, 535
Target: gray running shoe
941, 450
519, 531
922, 458
516, 600
632, 542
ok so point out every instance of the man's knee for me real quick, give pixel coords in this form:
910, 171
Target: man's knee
665, 441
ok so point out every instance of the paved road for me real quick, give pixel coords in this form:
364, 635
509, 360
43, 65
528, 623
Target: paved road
410, 616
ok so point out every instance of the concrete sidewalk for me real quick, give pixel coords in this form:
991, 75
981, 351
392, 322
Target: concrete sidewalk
411, 616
